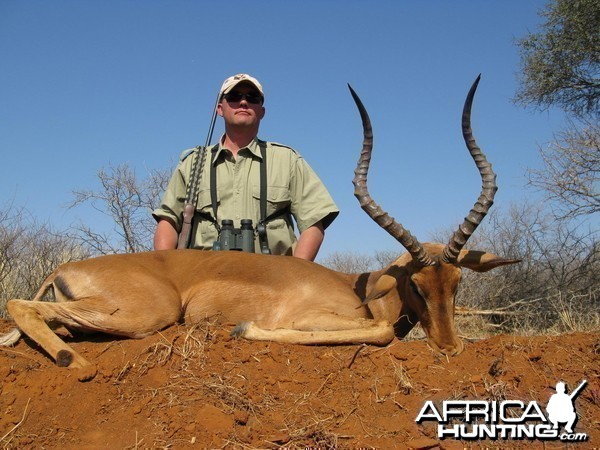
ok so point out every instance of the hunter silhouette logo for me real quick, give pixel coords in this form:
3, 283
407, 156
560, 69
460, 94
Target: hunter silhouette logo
507, 419
561, 408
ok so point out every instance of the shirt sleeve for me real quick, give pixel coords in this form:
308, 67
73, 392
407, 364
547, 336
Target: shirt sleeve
173, 200
311, 202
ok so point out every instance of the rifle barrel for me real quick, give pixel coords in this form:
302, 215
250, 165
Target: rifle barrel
183, 239
577, 389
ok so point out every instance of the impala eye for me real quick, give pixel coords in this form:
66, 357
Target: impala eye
415, 289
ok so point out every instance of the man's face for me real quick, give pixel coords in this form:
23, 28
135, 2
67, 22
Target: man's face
241, 110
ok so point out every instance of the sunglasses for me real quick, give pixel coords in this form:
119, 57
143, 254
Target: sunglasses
251, 97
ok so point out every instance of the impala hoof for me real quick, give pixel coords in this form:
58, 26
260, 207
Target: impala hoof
64, 358
83, 369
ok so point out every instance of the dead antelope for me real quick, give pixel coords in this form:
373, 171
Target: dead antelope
269, 297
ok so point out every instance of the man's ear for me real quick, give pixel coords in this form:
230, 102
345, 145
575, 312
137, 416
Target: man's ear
219, 109
262, 113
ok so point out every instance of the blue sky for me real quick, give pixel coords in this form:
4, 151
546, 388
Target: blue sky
85, 84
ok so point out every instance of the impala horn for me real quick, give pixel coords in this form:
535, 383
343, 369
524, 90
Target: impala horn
402, 235
488, 187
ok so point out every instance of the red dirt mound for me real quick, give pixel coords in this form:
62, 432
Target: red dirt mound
195, 387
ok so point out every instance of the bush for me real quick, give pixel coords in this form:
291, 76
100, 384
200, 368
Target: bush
29, 252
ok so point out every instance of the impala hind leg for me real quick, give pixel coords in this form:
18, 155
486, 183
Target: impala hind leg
31, 319
89, 314
326, 329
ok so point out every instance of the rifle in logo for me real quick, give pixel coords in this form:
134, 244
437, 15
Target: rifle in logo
579, 388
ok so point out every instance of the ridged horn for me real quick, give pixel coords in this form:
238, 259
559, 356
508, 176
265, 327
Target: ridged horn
488, 188
412, 245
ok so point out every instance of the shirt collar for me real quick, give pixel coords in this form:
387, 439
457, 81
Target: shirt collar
253, 147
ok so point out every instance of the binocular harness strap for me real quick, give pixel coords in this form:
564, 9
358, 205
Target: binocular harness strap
264, 219
263, 181
213, 188
263, 187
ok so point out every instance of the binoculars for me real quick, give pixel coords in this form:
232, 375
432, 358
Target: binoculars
241, 239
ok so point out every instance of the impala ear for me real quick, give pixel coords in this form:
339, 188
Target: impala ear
382, 286
482, 261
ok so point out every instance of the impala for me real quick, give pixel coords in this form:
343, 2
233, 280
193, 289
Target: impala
275, 298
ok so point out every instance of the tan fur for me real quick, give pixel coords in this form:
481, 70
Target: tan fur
277, 298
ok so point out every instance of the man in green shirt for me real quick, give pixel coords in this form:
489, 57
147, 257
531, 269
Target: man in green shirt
293, 188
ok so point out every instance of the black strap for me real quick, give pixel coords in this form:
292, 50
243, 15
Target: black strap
280, 212
263, 186
213, 188
263, 181
207, 216
264, 219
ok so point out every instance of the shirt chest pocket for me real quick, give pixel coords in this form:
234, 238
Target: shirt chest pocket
204, 229
204, 204
278, 198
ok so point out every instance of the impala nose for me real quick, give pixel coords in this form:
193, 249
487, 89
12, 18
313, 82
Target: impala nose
449, 349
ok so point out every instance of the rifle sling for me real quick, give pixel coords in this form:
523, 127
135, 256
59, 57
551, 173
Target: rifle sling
184, 238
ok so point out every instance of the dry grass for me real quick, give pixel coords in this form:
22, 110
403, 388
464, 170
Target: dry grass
194, 377
403, 381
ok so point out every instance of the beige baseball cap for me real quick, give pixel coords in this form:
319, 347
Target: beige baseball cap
233, 81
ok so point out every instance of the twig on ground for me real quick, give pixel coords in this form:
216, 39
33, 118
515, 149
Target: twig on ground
20, 354
356, 354
20, 422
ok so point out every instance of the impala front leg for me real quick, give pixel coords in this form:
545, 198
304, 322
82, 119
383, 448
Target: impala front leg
325, 329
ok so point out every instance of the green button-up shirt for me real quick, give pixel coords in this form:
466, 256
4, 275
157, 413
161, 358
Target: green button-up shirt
290, 183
